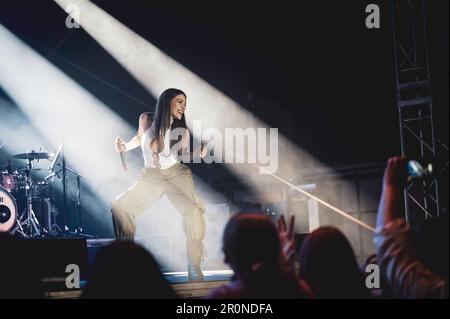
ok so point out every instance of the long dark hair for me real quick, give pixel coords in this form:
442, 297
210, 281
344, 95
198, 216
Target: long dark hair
162, 115
253, 250
135, 271
251, 238
328, 264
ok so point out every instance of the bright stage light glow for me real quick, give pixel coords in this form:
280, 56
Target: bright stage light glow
62, 111
17, 134
156, 71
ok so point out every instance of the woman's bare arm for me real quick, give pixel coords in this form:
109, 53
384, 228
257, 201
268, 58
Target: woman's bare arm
145, 122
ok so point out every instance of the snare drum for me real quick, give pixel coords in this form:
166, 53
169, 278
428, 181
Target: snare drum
8, 210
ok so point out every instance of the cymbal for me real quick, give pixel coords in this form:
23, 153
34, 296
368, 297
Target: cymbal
33, 155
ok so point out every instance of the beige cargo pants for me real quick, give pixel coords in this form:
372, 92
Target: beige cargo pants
177, 183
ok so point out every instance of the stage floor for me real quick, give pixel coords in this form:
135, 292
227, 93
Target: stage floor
55, 283
210, 275
174, 277
179, 282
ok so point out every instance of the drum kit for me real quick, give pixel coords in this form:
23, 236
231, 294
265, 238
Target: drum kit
28, 206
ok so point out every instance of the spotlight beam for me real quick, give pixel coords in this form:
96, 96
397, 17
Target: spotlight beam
156, 71
60, 109
324, 203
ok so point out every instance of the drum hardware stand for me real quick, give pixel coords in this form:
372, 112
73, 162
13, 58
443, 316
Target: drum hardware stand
29, 218
63, 180
54, 228
18, 228
27, 224
64, 169
79, 229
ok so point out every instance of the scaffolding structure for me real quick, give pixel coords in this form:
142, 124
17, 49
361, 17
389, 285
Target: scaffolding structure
415, 108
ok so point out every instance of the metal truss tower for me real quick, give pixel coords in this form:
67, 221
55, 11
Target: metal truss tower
415, 108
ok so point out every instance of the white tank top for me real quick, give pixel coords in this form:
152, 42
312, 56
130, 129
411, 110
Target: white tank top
166, 158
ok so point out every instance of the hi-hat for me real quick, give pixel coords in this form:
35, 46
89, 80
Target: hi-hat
33, 155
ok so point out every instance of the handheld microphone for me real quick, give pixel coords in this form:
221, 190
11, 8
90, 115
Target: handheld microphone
123, 160
122, 154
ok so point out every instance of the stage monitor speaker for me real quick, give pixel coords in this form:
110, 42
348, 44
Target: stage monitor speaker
48, 257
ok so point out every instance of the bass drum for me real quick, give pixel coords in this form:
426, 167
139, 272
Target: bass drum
8, 211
